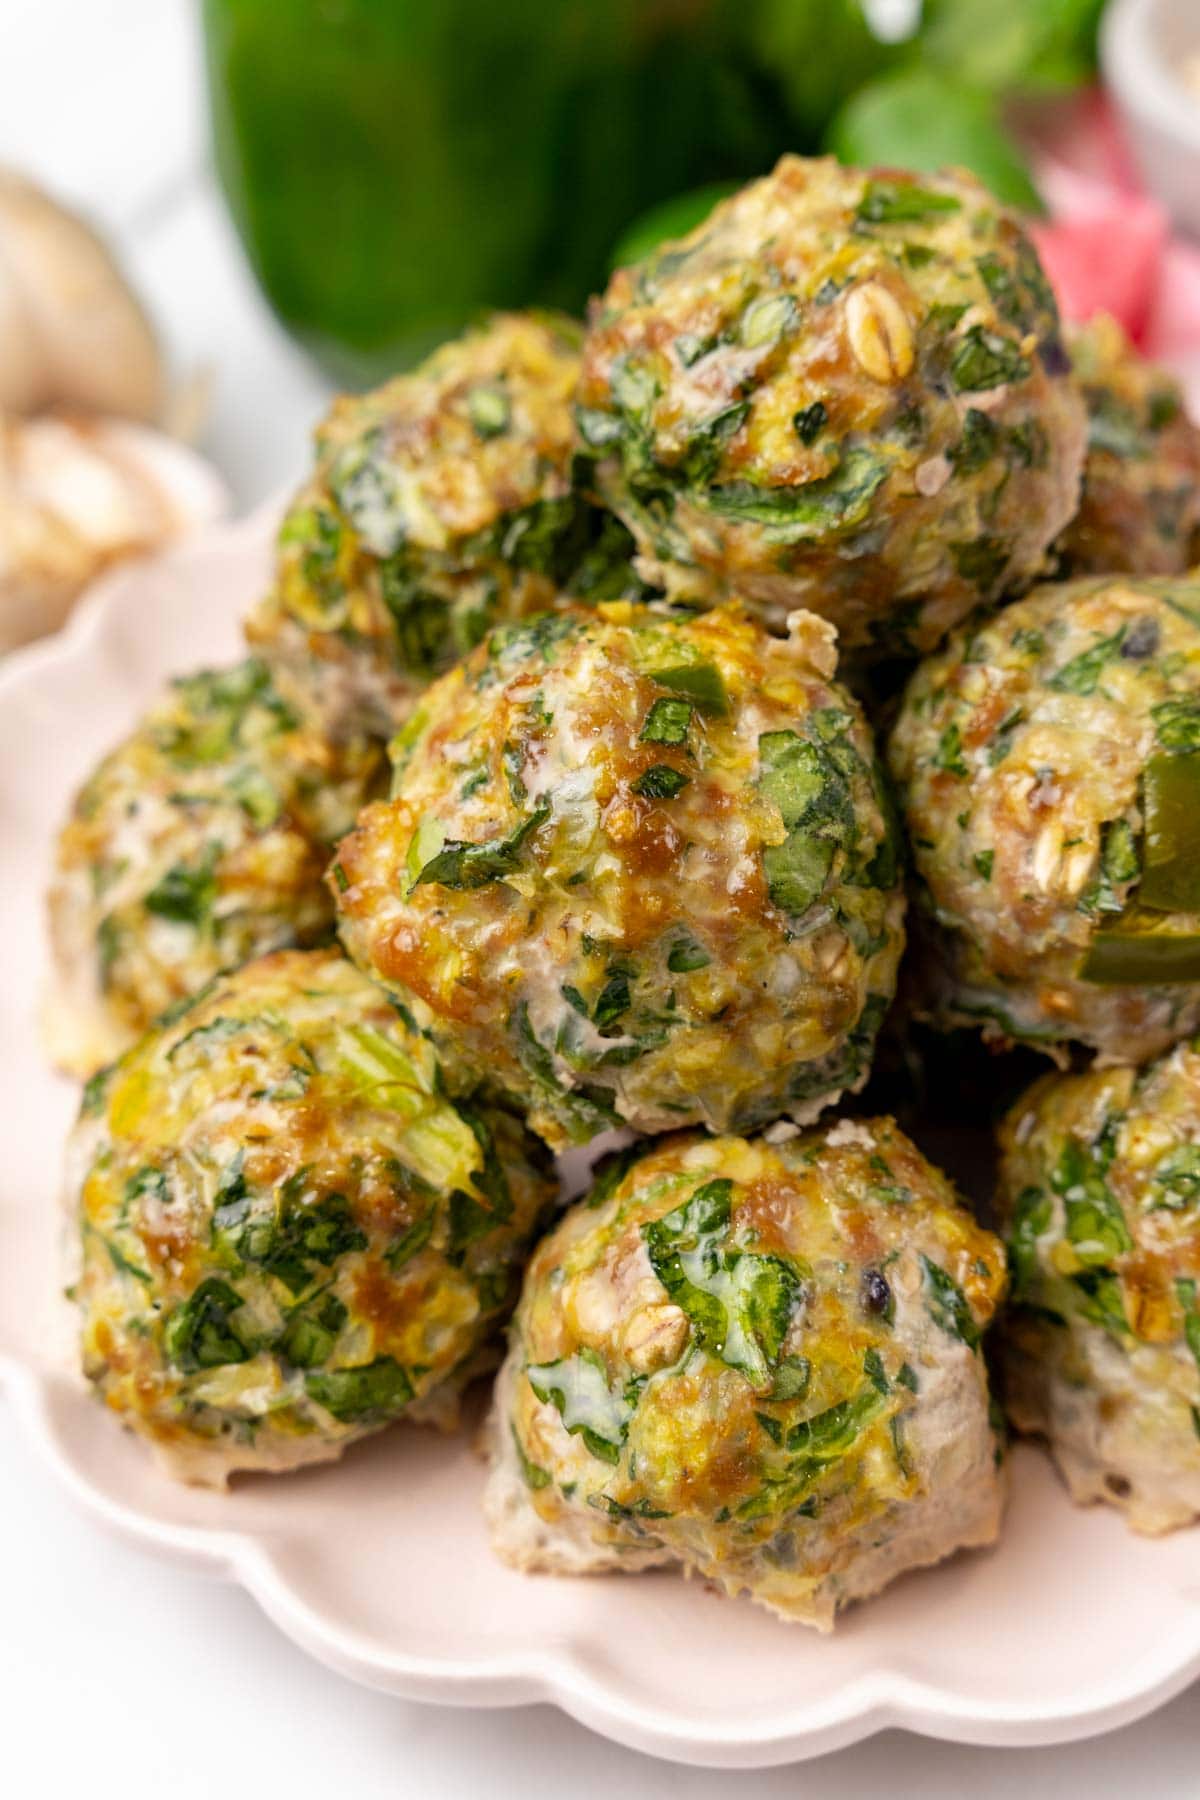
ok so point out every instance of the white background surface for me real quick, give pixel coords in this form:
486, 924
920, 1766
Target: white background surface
122, 1676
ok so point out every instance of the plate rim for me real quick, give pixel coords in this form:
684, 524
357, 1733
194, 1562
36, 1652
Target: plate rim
874, 1701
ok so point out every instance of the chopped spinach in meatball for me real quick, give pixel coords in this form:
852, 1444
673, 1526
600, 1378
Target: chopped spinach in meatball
441, 503
844, 390
288, 1235
638, 870
1047, 761
1100, 1195
759, 1361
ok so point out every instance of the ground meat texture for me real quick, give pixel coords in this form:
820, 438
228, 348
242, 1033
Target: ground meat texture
441, 503
636, 869
197, 843
845, 391
1100, 1195
1140, 508
1049, 775
694, 1377
288, 1237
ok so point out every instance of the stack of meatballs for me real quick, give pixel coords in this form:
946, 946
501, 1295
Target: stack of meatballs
543, 719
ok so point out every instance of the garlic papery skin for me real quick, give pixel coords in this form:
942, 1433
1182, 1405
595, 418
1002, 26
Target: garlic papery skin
77, 496
72, 333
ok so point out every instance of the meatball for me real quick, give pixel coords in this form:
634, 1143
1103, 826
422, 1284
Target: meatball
199, 842
759, 1360
1100, 1192
1047, 764
441, 502
636, 870
845, 391
1140, 509
289, 1237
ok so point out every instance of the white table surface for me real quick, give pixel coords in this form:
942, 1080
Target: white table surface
123, 1676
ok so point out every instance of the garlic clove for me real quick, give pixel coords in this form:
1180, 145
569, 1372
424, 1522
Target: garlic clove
71, 331
77, 496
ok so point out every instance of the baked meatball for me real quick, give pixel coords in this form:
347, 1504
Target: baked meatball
845, 391
1100, 1194
199, 842
440, 503
289, 1237
636, 870
1048, 772
759, 1360
1140, 508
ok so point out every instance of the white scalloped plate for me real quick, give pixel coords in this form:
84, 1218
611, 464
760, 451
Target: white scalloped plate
379, 1566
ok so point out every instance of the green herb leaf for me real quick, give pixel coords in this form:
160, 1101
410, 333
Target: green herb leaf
489, 408
808, 423
463, 865
685, 955
577, 1386
947, 1304
894, 202
1095, 1223
740, 1304
184, 895
667, 722
200, 1334
660, 782
700, 682
1082, 674
835, 502
1176, 1181
374, 1390
984, 359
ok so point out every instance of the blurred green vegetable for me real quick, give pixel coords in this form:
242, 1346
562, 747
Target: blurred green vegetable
919, 119
396, 166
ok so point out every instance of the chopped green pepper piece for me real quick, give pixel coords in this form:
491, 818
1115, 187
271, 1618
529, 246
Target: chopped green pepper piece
702, 684
667, 722
1140, 952
1171, 801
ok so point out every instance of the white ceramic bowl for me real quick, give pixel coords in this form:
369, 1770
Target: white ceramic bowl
379, 1565
1144, 46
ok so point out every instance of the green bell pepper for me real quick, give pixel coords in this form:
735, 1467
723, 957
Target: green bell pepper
397, 166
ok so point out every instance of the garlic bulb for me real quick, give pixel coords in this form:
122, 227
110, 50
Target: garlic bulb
76, 496
71, 332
